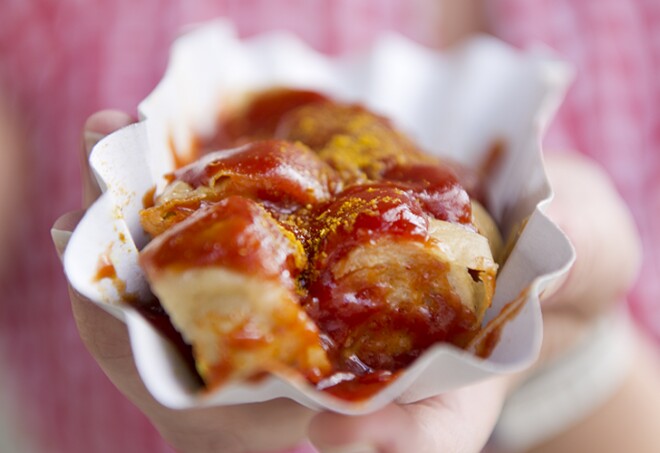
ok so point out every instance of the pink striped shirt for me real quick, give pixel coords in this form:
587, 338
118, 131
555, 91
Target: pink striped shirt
612, 112
61, 60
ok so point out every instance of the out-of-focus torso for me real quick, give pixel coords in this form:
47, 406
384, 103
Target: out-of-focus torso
62, 60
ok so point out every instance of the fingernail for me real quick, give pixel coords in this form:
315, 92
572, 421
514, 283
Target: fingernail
62, 229
91, 138
60, 240
361, 447
553, 287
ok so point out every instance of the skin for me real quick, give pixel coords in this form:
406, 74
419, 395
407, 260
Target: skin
12, 140
460, 421
587, 208
280, 423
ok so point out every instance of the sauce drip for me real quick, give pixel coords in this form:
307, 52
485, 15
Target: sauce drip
488, 338
148, 199
105, 269
351, 387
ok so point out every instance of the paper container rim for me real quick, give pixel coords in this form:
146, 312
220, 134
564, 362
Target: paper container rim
117, 208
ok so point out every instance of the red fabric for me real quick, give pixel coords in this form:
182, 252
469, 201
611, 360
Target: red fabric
64, 59
612, 111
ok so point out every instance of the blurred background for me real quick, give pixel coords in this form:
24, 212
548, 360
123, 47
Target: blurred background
61, 60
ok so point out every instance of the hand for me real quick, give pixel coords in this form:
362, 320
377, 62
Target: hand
593, 215
255, 427
280, 423
459, 421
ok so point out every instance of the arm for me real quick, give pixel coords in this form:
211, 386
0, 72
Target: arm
589, 210
459, 421
608, 261
628, 420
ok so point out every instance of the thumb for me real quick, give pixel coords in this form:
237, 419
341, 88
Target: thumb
460, 421
96, 127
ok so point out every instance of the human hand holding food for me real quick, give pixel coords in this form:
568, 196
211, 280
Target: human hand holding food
258, 427
126, 377
106, 338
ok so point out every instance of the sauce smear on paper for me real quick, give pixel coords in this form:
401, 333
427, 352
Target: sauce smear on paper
488, 338
350, 387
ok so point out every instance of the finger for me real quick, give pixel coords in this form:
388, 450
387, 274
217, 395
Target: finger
271, 426
268, 426
258, 427
61, 231
459, 19
96, 127
594, 216
459, 421
363, 434
106, 338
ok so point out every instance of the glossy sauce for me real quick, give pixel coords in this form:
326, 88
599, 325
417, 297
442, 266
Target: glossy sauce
271, 170
282, 176
437, 188
259, 117
299, 213
369, 329
236, 233
351, 387
364, 213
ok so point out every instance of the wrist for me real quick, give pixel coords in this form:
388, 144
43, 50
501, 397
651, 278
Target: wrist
565, 390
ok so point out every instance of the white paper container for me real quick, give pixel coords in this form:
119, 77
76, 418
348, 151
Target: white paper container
456, 104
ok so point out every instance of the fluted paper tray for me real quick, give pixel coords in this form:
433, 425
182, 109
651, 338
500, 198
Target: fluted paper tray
457, 104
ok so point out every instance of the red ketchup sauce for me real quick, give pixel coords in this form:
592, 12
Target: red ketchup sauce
280, 175
276, 208
363, 213
269, 170
437, 188
259, 117
369, 330
236, 233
